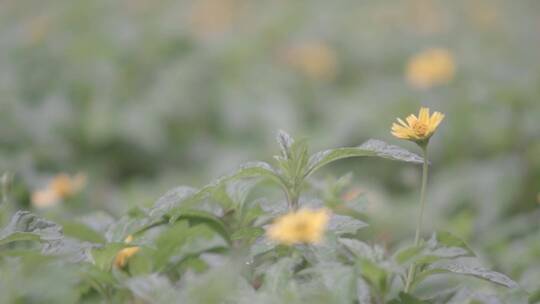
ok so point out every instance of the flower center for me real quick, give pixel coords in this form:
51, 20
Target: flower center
301, 227
420, 128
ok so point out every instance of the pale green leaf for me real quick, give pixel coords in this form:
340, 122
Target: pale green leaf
27, 226
475, 271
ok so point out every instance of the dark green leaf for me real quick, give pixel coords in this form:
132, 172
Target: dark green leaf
407, 254
200, 216
247, 233
373, 273
82, 232
405, 298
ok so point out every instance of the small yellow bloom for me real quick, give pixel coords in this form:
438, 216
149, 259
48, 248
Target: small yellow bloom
60, 187
213, 17
430, 68
418, 129
303, 226
314, 59
121, 259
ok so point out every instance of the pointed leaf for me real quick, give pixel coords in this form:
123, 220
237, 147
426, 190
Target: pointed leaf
285, 142
479, 272
342, 224
173, 198
385, 150
371, 147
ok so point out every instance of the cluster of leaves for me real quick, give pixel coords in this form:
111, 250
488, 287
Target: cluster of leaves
208, 245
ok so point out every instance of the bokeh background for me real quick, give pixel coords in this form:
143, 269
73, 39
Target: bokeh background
139, 96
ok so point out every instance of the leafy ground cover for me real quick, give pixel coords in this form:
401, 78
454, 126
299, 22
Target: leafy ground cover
209, 245
106, 105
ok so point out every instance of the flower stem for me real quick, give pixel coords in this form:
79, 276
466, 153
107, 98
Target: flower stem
412, 268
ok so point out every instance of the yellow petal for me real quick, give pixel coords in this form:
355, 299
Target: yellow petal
123, 255
423, 116
402, 122
435, 120
411, 119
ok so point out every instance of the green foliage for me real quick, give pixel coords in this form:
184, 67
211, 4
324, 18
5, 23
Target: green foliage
208, 245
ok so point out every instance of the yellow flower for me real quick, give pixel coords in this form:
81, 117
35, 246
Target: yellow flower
303, 226
121, 259
213, 17
430, 68
418, 129
314, 59
60, 187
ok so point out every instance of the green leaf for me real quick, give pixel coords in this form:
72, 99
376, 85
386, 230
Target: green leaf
405, 298
374, 274
475, 271
322, 158
248, 170
277, 276
247, 233
152, 288
363, 294
82, 232
104, 256
441, 246
371, 147
449, 240
128, 225
71, 250
262, 245
285, 142
338, 282
169, 242
342, 224
407, 254
19, 236
97, 277
362, 250
25, 226
385, 150
216, 286
170, 200
535, 297
201, 238
199, 216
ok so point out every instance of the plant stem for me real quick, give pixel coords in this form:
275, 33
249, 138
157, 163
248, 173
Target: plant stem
412, 268
294, 201
6, 181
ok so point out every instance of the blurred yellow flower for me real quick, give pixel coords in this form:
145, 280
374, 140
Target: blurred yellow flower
418, 129
315, 59
211, 17
60, 187
121, 259
430, 68
37, 28
303, 226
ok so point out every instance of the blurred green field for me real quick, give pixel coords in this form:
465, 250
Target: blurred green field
142, 96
